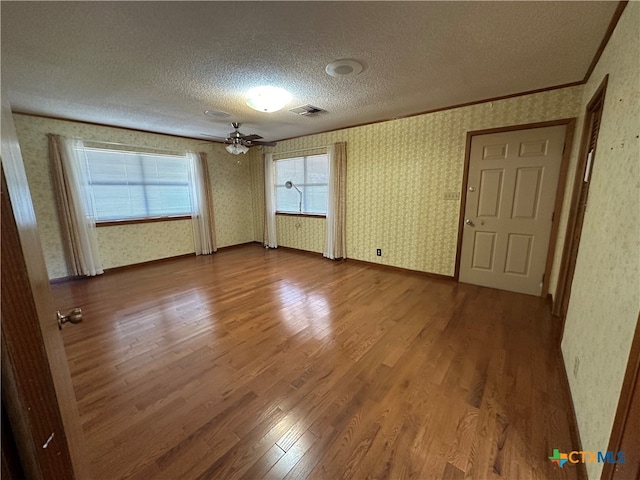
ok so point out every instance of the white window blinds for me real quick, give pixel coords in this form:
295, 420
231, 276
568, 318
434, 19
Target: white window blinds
133, 185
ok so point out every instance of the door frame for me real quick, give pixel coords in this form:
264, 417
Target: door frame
562, 180
626, 424
565, 275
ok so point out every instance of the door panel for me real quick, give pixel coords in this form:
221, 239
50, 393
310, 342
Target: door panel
518, 254
527, 193
512, 182
490, 194
495, 152
534, 149
483, 250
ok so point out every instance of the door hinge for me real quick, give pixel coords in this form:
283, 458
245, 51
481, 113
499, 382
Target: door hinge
553, 216
564, 147
543, 275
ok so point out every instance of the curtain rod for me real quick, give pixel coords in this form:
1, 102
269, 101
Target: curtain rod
301, 150
101, 142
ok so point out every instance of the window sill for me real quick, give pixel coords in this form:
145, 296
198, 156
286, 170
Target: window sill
135, 221
308, 215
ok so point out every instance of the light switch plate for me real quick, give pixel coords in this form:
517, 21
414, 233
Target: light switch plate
451, 195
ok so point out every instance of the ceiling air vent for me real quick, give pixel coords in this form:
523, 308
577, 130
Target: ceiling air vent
307, 110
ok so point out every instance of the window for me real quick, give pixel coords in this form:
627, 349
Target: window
133, 185
311, 175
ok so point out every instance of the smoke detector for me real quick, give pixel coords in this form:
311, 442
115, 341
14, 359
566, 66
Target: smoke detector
216, 114
344, 68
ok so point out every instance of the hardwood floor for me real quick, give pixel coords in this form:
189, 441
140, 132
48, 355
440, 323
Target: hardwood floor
255, 363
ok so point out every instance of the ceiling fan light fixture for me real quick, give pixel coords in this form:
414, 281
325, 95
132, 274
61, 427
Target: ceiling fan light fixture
344, 68
236, 148
267, 99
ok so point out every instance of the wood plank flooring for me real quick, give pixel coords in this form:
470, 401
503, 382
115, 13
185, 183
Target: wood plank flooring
274, 364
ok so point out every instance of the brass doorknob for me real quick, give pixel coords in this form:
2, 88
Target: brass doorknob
74, 316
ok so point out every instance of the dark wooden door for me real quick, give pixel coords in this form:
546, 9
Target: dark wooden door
625, 434
36, 385
587, 158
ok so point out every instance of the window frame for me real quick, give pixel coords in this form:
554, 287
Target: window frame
276, 185
140, 153
135, 221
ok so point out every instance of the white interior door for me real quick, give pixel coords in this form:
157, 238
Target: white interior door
511, 191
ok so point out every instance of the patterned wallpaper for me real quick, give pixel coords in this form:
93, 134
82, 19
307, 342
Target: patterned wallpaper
125, 245
303, 233
605, 297
232, 201
398, 172
255, 159
129, 244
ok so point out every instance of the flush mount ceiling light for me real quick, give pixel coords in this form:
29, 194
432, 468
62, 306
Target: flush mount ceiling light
267, 99
344, 68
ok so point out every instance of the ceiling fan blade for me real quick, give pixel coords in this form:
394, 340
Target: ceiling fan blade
251, 137
266, 144
236, 136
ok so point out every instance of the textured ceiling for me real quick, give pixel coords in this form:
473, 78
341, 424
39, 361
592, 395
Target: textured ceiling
158, 65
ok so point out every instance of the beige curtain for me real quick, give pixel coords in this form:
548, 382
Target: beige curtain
75, 210
204, 230
335, 245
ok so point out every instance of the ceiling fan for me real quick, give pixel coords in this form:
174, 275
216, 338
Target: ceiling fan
240, 143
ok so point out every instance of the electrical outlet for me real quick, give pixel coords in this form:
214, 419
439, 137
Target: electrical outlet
379, 252
576, 366
451, 195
